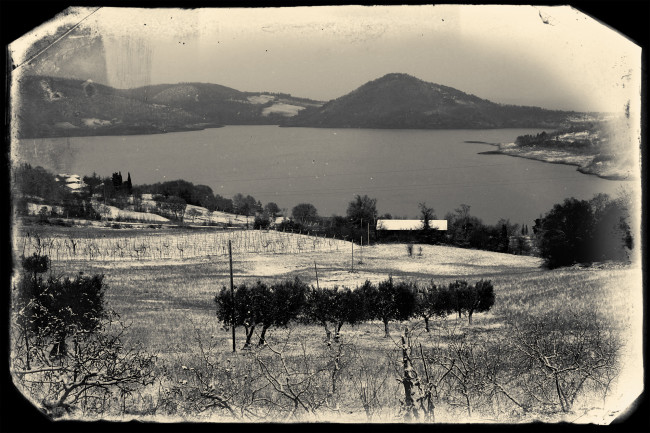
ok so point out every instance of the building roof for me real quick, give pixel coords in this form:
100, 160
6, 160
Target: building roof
410, 224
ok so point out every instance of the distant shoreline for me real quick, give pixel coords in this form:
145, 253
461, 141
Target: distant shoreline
584, 163
119, 132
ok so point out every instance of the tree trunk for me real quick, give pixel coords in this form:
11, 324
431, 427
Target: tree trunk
469, 315
26, 346
426, 323
249, 335
337, 336
263, 335
386, 332
60, 348
409, 379
328, 334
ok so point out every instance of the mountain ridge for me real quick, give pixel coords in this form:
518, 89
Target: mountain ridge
398, 100
53, 106
50, 106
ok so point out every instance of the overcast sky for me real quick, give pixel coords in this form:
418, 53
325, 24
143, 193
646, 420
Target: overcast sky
554, 57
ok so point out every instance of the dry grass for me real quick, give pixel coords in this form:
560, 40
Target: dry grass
169, 306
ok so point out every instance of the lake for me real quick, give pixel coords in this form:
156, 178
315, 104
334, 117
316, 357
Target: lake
328, 167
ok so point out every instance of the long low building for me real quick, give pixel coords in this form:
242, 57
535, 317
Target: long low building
401, 225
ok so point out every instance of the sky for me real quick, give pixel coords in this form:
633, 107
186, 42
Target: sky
554, 57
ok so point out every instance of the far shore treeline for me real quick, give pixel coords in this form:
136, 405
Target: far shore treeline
575, 231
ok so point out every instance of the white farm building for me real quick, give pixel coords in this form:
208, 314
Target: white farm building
400, 225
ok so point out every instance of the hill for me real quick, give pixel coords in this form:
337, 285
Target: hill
221, 104
402, 101
52, 107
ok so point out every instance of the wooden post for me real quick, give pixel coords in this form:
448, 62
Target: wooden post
361, 251
352, 255
316, 269
232, 296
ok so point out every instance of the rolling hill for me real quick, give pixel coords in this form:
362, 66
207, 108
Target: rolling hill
52, 107
402, 101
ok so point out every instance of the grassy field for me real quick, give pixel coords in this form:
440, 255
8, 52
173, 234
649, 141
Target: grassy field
168, 304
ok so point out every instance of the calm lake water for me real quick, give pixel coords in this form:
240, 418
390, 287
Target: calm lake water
327, 167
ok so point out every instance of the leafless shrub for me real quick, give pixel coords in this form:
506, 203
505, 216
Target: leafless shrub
563, 356
214, 383
369, 378
300, 382
87, 378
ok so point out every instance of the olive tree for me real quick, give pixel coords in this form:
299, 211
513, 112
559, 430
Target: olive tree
261, 306
333, 307
432, 301
55, 312
388, 301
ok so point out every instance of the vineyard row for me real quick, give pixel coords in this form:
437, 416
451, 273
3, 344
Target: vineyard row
177, 246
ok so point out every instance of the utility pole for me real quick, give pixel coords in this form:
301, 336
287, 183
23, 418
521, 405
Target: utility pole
232, 296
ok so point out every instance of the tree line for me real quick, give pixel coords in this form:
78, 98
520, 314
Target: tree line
575, 231
262, 305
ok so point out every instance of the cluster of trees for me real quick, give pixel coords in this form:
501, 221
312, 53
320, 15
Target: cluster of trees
361, 212
553, 139
467, 231
68, 346
170, 194
121, 187
463, 229
197, 195
114, 190
540, 139
581, 231
54, 308
172, 207
37, 185
268, 216
172, 197
262, 305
